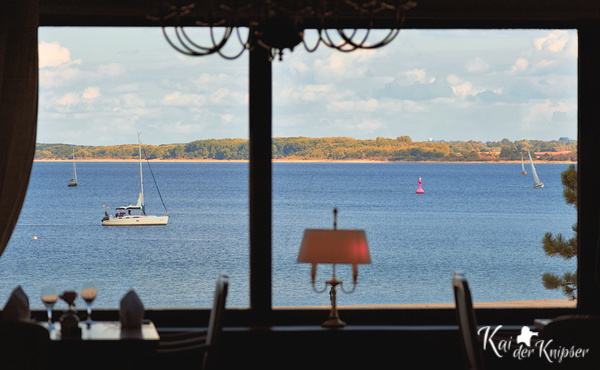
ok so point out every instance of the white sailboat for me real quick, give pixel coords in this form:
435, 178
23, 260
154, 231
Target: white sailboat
536, 180
523, 166
124, 215
73, 181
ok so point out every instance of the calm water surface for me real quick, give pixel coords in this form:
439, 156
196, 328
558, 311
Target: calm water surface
486, 219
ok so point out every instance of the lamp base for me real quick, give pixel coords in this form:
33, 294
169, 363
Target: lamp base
333, 322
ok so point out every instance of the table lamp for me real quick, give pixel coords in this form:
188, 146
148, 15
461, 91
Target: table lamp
334, 247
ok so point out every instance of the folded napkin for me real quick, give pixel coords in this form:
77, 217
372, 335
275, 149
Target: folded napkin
131, 312
17, 306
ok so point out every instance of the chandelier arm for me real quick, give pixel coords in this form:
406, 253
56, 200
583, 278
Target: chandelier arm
232, 57
189, 47
346, 40
389, 38
186, 51
224, 41
391, 35
350, 41
341, 285
244, 44
186, 42
210, 50
326, 40
319, 40
319, 290
339, 47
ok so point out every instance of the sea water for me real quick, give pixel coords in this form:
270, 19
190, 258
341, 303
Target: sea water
484, 219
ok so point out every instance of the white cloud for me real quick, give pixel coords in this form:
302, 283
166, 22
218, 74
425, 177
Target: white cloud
219, 95
477, 65
127, 88
133, 101
57, 77
56, 66
305, 93
299, 66
542, 113
227, 117
369, 125
338, 65
409, 77
180, 127
370, 105
462, 88
53, 55
124, 125
423, 82
183, 100
69, 99
555, 41
520, 65
111, 69
544, 63
91, 92
208, 81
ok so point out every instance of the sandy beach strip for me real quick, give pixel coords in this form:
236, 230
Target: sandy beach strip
535, 303
289, 161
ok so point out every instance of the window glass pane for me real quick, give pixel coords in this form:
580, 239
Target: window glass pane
455, 108
98, 88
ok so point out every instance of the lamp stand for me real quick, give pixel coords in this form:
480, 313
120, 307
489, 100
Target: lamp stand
334, 318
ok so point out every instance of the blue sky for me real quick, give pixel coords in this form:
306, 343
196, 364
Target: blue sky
99, 86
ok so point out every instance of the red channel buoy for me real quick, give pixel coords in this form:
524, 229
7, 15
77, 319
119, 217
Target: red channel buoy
420, 189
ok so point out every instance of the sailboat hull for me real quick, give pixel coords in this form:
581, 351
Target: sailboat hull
129, 219
135, 220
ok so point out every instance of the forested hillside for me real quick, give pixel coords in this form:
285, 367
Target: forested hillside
401, 148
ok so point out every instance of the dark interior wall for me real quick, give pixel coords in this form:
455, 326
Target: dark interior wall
248, 343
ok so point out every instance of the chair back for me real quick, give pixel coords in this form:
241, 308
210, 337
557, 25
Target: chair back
24, 346
215, 323
467, 323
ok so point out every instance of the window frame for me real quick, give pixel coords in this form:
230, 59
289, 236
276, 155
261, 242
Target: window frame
435, 14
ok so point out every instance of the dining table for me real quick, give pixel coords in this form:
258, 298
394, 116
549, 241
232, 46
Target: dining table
104, 331
104, 345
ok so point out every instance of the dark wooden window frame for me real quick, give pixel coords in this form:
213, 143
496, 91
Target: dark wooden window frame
582, 15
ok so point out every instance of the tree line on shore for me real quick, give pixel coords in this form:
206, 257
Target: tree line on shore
401, 148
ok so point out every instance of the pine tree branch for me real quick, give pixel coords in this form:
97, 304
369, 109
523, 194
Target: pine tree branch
557, 246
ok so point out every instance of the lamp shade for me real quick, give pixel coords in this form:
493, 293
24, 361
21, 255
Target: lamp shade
334, 246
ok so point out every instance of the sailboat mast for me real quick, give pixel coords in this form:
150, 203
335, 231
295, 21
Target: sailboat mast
141, 200
74, 167
536, 180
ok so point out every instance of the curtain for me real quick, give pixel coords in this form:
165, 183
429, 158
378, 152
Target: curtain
18, 107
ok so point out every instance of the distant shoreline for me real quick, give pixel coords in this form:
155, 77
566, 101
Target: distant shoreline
533, 303
288, 161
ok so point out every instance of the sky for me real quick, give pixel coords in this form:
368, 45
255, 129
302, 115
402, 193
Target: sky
100, 86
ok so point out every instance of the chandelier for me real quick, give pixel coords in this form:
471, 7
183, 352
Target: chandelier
229, 27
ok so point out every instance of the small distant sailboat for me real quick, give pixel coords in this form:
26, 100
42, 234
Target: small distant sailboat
420, 188
536, 180
73, 181
523, 166
124, 217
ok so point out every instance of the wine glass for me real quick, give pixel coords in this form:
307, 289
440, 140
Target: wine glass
89, 293
49, 297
